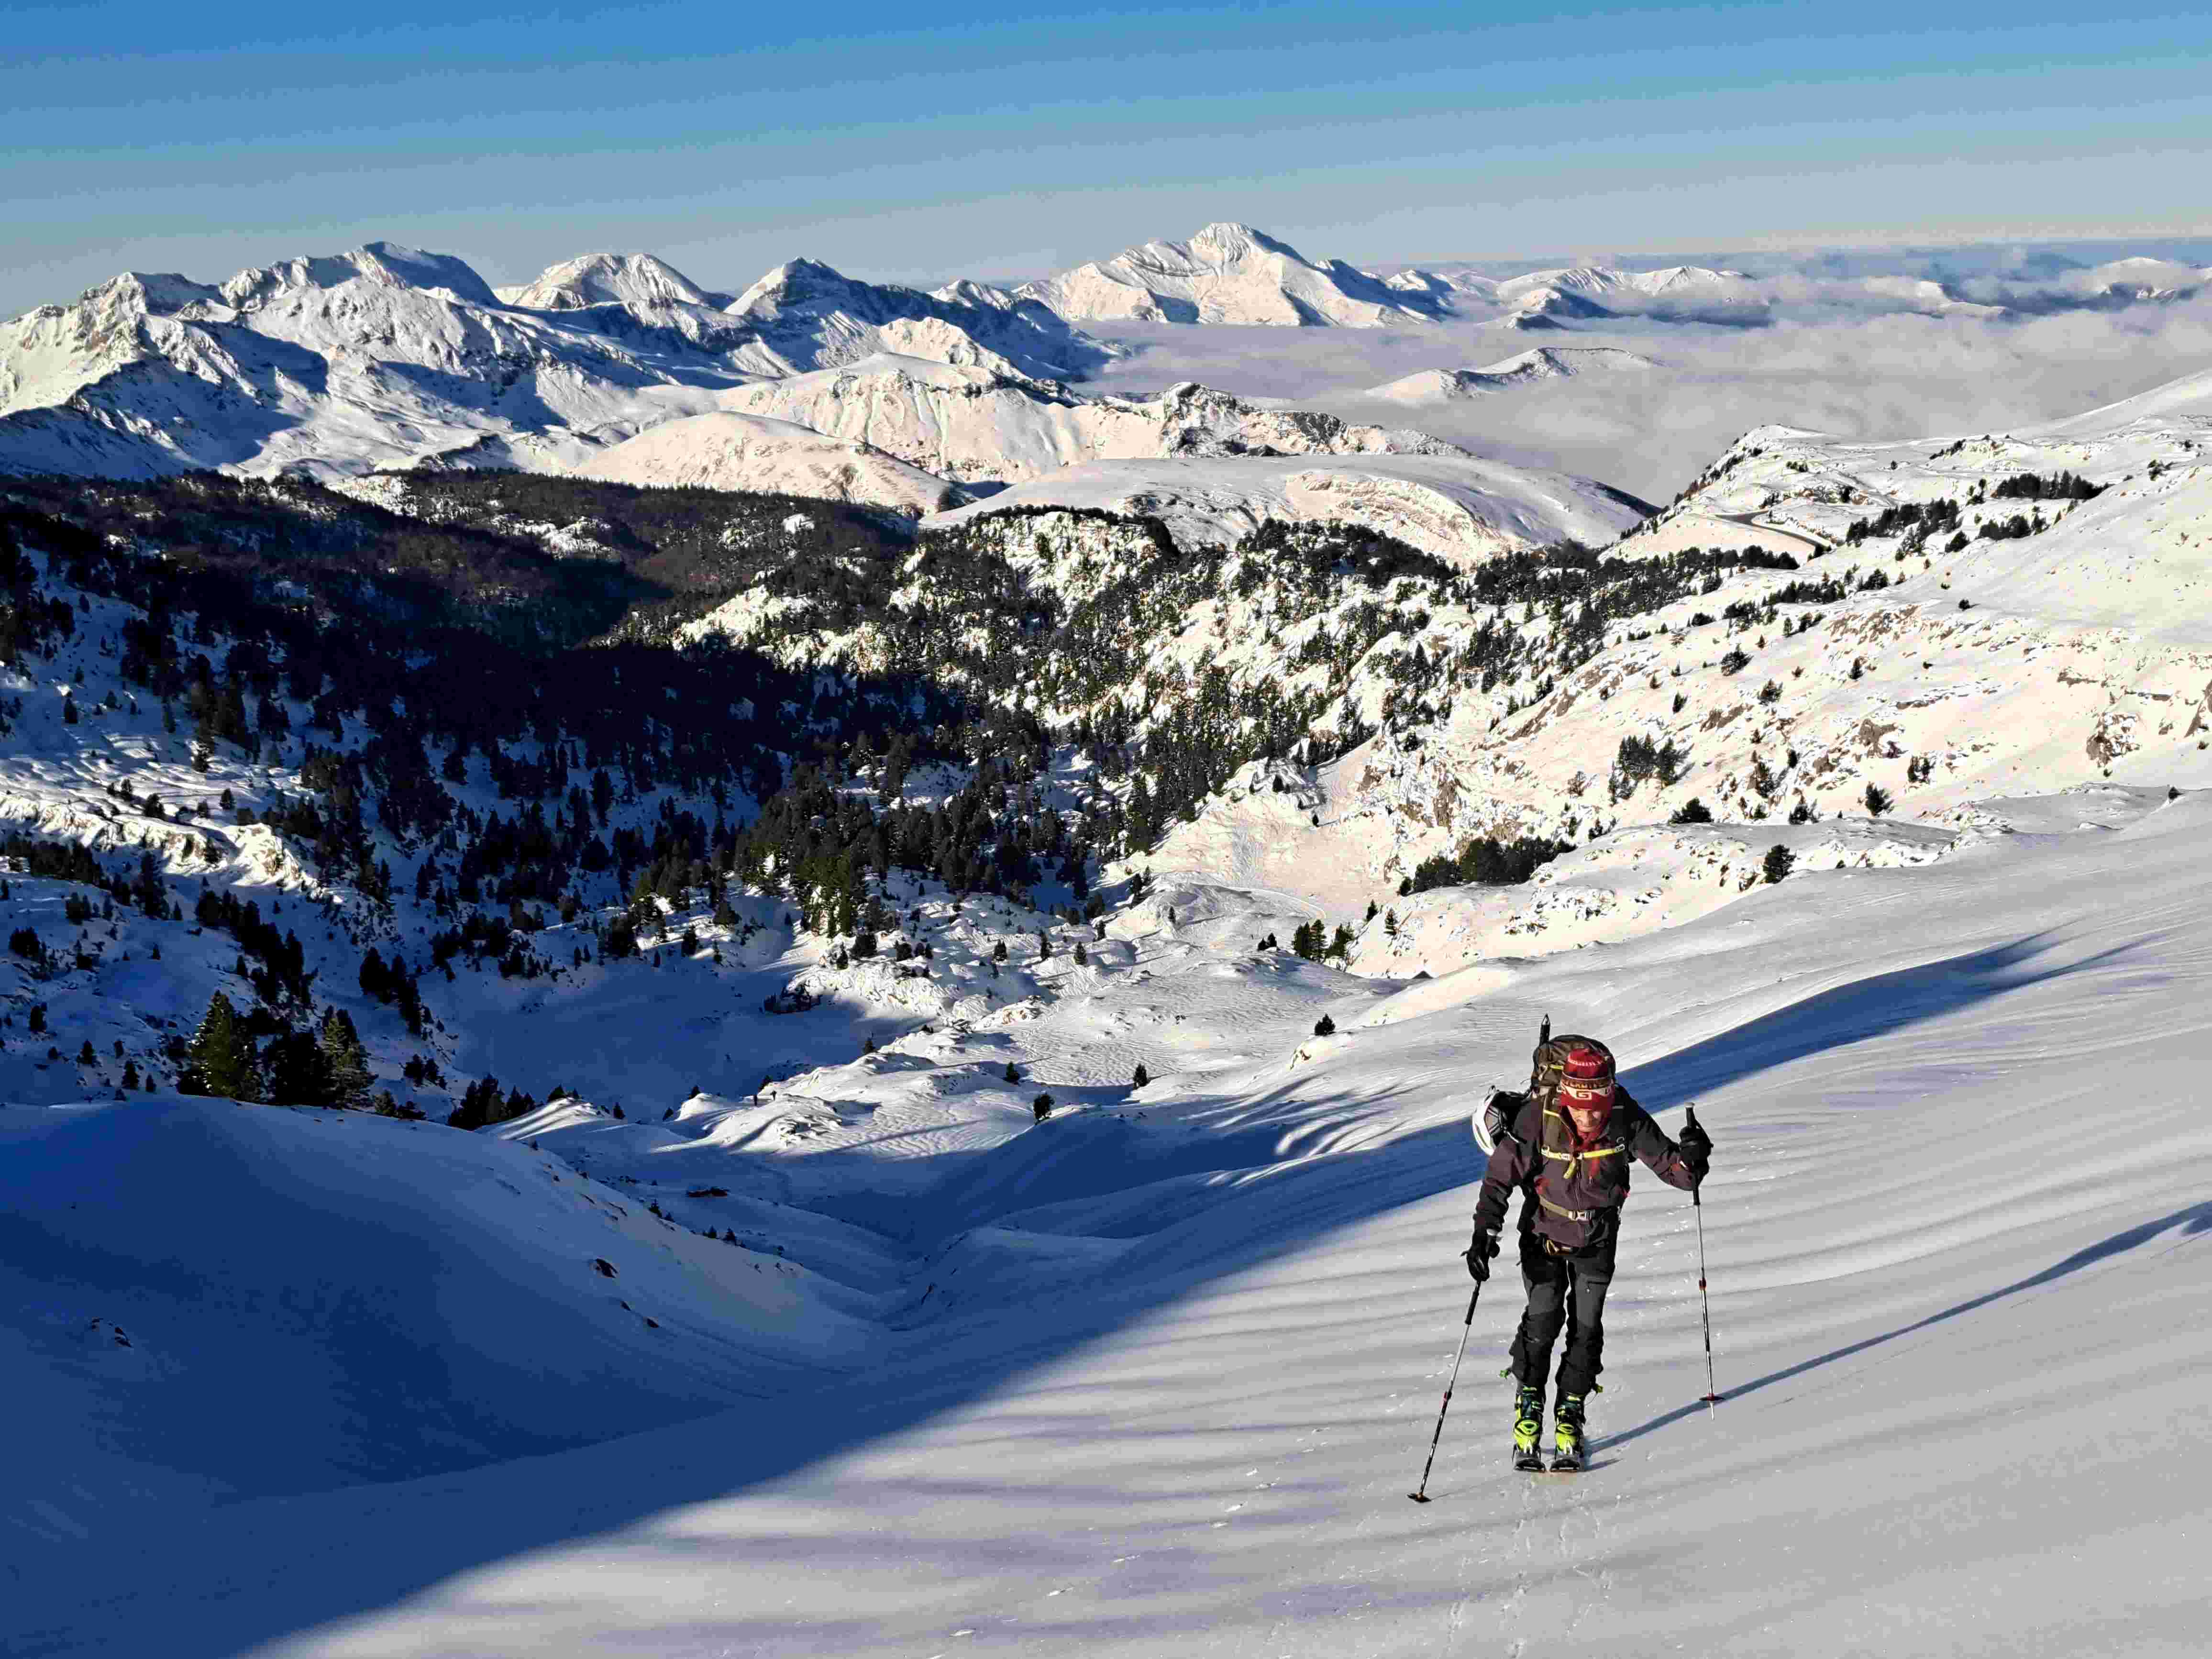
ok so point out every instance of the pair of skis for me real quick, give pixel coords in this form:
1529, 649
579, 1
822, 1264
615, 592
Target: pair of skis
1559, 1465
1563, 1462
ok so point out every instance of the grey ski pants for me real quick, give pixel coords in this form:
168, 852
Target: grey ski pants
1562, 1290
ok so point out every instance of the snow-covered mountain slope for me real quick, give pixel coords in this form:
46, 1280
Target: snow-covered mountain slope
2182, 408
2134, 556
1647, 878
386, 357
805, 316
1459, 507
378, 358
972, 424
1229, 273
1919, 656
1926, 1250
1523, 369
682, 886
729, 451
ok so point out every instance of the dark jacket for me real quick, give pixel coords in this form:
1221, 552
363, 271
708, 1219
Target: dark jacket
1577, 1191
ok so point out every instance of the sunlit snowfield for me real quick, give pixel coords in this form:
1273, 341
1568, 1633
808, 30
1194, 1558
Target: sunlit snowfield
1157, 1375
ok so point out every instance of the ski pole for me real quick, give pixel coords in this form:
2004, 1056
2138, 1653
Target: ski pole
1420, 1494
1698, 1206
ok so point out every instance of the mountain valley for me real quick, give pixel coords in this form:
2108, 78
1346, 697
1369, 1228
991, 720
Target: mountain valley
726, 971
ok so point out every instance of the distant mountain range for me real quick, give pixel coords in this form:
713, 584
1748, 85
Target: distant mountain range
389, 358
1231, 274
620, 367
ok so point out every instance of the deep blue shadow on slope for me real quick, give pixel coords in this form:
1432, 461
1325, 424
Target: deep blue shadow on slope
330, 1556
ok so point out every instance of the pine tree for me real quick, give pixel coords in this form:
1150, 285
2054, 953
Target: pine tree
295, 1071
220, 1060
1780, 860
345, 1060
1141, 1079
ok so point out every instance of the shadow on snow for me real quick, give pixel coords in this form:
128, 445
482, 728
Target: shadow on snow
1228, 1205
2197, 1218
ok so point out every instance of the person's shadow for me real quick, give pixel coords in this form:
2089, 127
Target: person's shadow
2197, 1218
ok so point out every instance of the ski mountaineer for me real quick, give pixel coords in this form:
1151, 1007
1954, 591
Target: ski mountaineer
1570, 1161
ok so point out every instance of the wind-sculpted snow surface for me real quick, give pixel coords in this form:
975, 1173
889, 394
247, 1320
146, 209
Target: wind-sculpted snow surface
406, 1300
1077, 1432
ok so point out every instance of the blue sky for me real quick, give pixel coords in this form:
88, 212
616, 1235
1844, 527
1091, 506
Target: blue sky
921, 142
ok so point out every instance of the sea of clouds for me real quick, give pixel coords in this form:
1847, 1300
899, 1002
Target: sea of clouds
1822, 356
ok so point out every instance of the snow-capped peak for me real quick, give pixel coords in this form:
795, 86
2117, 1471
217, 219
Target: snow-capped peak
795, 282
1229, 273
153, 293
381, 263
596, 279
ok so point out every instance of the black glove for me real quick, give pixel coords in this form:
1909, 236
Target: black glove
1697, 1150
1479, 1255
